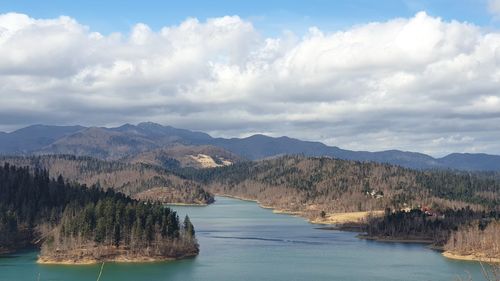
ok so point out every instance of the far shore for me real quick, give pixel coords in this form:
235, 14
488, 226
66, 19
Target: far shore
275, 210
187, 204
240, 198
412, 240
333, 219
347, 217
471, 257
5, 251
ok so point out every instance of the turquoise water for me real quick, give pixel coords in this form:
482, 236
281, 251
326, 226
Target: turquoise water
240, 241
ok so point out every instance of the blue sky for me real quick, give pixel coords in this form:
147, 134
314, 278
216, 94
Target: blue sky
270, 17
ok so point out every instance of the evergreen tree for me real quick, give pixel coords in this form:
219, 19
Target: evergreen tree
188, 226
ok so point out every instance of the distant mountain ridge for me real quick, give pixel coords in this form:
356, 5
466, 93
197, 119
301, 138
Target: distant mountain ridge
33, 137
129, 140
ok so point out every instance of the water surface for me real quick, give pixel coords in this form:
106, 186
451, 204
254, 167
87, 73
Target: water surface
240, 241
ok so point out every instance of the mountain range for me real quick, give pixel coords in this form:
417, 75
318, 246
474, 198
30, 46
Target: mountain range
142, 140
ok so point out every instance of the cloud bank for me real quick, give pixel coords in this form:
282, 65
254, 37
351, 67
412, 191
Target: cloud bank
419, 84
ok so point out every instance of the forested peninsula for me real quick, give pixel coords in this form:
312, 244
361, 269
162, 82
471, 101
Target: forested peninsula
76, 224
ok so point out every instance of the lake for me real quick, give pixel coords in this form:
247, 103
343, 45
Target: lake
241, 241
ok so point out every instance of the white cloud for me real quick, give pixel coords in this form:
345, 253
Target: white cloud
420, 84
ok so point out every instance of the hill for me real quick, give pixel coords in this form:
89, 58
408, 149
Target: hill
130, 179
309, 186
182, 156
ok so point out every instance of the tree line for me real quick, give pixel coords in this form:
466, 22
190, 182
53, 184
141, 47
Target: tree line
461, 231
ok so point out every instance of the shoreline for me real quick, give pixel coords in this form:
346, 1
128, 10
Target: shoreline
332, 219
349, 221
347, 217
239, 198
118, 259
5, 252
187, 204
470, 257
333, 226
274, 210
413, 240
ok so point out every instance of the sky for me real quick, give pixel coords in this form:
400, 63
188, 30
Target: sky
365, 75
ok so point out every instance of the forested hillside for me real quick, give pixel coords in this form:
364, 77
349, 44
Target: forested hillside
73, 222
130, 179
312, 185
